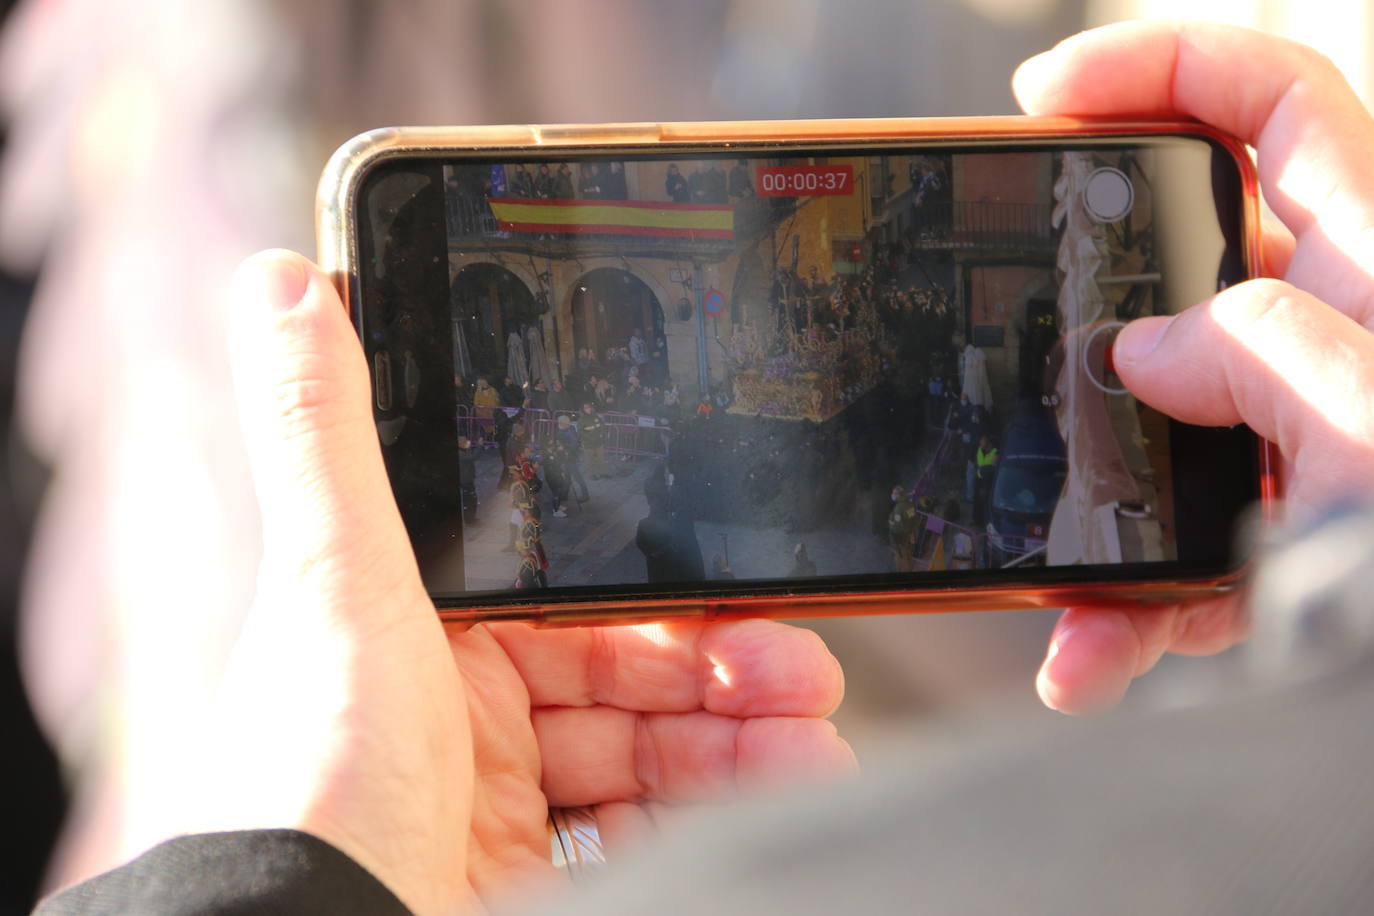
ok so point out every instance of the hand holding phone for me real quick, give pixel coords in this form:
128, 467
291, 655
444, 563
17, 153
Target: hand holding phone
429, 755
1293, 359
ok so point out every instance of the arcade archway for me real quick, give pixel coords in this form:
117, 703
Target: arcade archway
608, 305
488, 303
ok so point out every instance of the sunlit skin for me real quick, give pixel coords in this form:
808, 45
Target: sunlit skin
1291, 356
431, 756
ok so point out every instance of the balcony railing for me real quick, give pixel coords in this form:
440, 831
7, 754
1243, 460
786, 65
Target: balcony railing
983, 226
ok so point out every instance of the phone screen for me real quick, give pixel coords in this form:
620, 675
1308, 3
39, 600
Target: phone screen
647, 375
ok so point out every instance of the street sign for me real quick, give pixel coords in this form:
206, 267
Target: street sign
713, 302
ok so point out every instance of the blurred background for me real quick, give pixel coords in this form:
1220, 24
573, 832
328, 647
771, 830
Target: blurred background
148, 146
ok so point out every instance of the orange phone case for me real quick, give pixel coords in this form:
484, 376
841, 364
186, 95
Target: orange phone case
337, 251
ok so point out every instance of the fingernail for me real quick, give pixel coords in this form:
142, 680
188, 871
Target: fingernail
279, 279
1046, 684
1138, 340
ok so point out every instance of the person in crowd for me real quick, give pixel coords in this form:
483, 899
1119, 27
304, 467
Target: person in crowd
530, 468
603, 392
658, 360
525, 486
638, 350
901, 529
568, 439
741, 183
714, 184
462, 392
675, 185
556, 476
592, 432
512, 394
560, 398
544, 185
632, 398
654, 539
563, 182
672, 402
587, 364
817, 289
510, 436
708, 185
523, 497
592, 389
527, 572
467, 479
616, 187
696, 190
522, 182
539, 395
618, 364
704, 408
463, 395
590, 184
968, 420
485, 397
529, 541
985, 461
937, 410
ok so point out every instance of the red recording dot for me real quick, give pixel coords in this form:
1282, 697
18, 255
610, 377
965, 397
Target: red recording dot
1109, 357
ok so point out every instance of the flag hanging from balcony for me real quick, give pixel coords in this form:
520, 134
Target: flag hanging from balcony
614, 217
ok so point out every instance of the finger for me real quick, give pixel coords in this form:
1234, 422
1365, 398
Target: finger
741, 668
1094, 654
624, 826
1276, 249
303, 394
1274, 357
601, 754
1292, 104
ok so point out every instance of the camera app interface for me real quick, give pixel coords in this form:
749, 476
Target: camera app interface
680, 370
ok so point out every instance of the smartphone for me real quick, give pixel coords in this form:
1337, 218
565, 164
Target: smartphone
651, 371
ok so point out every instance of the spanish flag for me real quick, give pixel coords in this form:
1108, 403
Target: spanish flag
614, 217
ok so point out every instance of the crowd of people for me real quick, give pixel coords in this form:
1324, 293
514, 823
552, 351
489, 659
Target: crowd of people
706, 183
709, 184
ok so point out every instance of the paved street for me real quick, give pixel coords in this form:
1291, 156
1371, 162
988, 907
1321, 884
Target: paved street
595, 543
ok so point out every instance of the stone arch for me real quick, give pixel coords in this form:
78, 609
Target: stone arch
460, 262
488, 299
651, 279
607, 299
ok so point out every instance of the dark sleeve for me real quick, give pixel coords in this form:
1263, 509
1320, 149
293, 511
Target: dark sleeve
261, 872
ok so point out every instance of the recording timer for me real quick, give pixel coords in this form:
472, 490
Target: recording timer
805, 180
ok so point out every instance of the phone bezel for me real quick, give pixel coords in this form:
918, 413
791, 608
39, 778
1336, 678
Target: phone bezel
337, 201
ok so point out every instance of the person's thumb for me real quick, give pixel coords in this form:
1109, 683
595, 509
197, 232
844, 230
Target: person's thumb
1269, 355
329, 521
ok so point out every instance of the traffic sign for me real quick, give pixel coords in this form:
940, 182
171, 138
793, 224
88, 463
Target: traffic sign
713, 302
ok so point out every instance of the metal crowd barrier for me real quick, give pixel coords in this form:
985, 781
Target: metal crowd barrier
626, 433
987, 550
934, 466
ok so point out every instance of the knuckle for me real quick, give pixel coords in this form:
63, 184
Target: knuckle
305, 402
1310, 60
1257, 306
